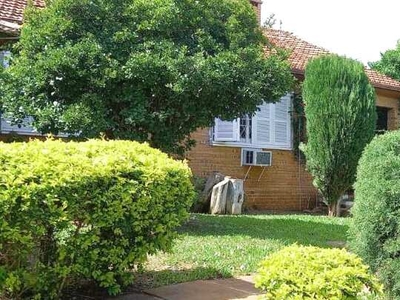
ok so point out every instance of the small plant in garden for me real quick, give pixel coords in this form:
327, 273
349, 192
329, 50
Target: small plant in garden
375, 230
92, 210
341, 116
299, 272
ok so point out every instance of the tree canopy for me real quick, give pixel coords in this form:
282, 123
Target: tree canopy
143, 70
341, 117
389, 64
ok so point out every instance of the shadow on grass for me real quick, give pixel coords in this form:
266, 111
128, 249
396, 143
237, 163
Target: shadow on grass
143, 281
304, 230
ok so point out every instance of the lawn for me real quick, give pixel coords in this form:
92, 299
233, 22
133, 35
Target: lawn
225, 246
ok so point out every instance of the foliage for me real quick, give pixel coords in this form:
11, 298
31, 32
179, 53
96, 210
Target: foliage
341, 117
226, 246
298, 272
144, 70
389, 63
299, 127
199, 184
375, 228
92, 210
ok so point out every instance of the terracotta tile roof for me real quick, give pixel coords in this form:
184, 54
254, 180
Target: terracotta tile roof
11, 14
301, 52
382, 81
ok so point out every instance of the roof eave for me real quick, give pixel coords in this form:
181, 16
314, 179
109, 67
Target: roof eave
300, 72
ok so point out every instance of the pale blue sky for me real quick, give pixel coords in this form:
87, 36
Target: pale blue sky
355, 28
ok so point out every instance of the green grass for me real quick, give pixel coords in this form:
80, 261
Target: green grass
225, 246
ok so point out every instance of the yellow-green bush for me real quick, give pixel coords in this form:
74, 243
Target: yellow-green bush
298, 272
91, 210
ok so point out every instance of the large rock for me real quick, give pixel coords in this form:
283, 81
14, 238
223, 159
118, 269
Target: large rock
203, 203
227, 197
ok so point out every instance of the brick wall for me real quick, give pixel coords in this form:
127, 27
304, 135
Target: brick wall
283, 186
257, 6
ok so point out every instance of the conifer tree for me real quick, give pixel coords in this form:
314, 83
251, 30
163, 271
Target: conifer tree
341, 116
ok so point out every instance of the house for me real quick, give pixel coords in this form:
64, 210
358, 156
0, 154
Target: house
260, 149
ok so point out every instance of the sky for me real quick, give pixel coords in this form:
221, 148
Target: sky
354, 28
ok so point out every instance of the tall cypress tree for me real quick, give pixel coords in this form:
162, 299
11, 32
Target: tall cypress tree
341, 117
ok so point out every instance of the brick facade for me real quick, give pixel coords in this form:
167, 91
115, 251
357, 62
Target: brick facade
257, 6
283, 186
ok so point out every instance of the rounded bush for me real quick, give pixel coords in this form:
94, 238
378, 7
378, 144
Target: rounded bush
90, 210
375, 230
298, 272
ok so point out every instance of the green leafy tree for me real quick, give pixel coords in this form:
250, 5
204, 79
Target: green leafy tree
341, 116
389, 63
143, 70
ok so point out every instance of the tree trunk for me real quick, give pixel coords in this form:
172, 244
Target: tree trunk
334, 208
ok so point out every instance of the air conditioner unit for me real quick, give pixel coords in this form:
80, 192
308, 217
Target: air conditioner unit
256, 157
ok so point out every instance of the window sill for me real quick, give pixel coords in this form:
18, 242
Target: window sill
253, 146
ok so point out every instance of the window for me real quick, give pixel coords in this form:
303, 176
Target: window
245, 129
4, 58
382, 121
270, 128
24, 129
5, 123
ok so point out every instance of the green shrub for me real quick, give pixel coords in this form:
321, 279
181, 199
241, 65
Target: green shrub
340, 111
375, 230
298, 272
91, 210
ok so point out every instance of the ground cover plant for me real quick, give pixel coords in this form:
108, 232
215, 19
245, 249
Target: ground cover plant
225, 246
84, 211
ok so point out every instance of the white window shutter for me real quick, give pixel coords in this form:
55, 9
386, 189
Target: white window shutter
226, 131
282, 121
262, 123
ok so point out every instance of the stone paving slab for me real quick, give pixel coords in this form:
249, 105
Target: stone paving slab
220, 289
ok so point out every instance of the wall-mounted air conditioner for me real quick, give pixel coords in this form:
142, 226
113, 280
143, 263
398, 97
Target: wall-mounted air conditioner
256, 157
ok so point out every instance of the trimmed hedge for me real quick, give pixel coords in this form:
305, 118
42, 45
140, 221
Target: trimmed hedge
375, 230
90, 210
298, 272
